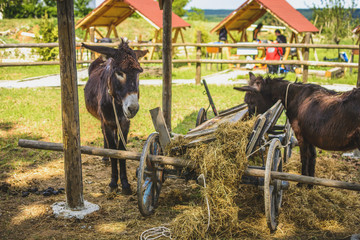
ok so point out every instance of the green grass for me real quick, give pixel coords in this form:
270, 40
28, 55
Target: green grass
36, 114
18, 73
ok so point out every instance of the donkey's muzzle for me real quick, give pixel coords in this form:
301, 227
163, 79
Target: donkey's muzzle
131, 105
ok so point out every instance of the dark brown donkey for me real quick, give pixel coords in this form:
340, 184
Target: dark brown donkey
319, 117
114, 77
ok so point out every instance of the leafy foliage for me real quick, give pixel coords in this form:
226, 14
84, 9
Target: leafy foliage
48, 33
37, 8
81, 8
178, 7
334, 20
196, 14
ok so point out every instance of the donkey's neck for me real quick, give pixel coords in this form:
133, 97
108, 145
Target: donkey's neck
278, 91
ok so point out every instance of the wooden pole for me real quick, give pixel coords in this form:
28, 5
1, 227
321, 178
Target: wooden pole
179, 162
167, 61
92, 39
70, 105
358, 78
119, 154
306, 58
198, 56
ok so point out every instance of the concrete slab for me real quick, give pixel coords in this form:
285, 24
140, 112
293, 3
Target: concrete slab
60, 209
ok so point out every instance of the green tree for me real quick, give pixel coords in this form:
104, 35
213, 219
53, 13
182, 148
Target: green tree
178, 7
196, 14
334, 20
81, 8
48, 33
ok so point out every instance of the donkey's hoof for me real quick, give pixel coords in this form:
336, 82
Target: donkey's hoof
126, 191
113, 186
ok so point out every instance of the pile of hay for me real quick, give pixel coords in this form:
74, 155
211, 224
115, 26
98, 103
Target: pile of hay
237, 211
223, 162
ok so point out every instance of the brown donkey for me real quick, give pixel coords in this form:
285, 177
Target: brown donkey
319, 117
114, 79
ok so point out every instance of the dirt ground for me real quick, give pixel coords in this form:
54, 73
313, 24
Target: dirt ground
119, 218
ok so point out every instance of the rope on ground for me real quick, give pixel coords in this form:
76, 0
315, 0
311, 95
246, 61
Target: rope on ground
155, 233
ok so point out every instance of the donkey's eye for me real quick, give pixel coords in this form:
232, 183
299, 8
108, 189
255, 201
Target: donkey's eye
120, 76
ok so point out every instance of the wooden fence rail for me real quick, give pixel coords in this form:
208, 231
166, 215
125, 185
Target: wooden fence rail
203, 61
234, 45
198, 61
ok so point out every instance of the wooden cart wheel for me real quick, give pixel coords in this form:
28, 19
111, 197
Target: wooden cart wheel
149, 176
201, 117
272, 188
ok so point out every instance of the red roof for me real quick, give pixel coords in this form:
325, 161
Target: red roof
113, 12
356, 30
150, 9
252, 10
283, 10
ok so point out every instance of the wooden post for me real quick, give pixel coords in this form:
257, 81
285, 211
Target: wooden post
198, 56
70, 105
306, 58
167, 61
92, 39
358, 78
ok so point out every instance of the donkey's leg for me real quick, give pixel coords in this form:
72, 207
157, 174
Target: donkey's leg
312, 160
123, 176
308, 156
110, 137
106, 145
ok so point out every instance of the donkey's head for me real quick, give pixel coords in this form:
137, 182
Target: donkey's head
258, 94
121, 75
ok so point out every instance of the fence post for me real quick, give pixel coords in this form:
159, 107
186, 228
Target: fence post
92, 39
358, 78
167, 62
198, 57
70, 105
306, 58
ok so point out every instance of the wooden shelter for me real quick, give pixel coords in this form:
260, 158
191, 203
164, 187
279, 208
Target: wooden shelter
251, 10
113, 12
356, 31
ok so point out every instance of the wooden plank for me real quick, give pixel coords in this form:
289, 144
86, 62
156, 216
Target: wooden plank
167, 62
303, 179
334, 72
183, 41
70, 105
160, 126
216, 121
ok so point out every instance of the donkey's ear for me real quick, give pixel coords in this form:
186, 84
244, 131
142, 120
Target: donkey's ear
140, 53
252, 76
246, 89
108, 51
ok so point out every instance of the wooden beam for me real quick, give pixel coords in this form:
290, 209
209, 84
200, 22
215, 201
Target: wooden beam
303, 179
306, 58
167, 61
160, 126
119, 154
70, 105
155, 40
183, 41
358, 77
198, 56
98, 32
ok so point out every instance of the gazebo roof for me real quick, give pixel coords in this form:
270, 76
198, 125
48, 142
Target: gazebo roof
113, 12
252, 10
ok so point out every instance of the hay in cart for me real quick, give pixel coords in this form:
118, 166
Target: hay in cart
237, 210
